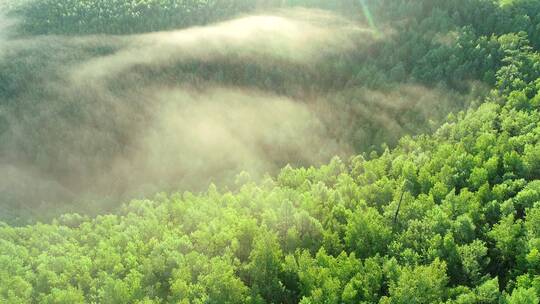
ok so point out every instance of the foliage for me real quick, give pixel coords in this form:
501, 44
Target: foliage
315, 235
449, 217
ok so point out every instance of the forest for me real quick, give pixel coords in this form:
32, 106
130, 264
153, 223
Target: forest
278, 151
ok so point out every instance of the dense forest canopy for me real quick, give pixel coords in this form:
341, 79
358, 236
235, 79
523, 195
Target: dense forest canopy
303, 151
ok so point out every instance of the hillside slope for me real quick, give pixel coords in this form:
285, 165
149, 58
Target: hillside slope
451, 217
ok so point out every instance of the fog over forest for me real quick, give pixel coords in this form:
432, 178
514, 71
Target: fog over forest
91, 119
270, 151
